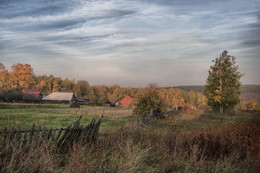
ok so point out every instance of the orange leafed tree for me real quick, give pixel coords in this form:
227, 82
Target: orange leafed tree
21, 76
4, 76
81, 88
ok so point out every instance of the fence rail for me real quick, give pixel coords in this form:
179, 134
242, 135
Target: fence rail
62, 137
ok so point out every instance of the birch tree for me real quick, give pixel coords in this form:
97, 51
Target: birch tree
223, 84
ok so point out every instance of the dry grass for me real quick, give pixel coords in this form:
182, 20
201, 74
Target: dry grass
108, 112
230, 148
42, 159
190, 115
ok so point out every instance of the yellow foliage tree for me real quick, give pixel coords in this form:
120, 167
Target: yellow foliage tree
4, 76
21, 76
223, 83
252, 104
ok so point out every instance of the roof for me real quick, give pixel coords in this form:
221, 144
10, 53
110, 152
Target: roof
30, 90
60, 96
34, 92
126, 100
80, 100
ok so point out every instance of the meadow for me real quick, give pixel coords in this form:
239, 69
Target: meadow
58, 115
197, 141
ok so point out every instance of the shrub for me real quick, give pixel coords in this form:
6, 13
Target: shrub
11, 95
149, 100
16, 95
252, 105
30, 98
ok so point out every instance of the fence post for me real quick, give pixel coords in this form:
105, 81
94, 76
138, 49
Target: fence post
31, 133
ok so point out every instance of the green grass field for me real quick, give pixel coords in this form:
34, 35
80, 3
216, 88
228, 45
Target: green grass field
59, 115
56, 116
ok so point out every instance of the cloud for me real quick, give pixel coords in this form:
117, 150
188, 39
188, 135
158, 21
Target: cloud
128, 42
252, 34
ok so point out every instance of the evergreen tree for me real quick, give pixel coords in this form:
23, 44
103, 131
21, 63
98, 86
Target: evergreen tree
223, 84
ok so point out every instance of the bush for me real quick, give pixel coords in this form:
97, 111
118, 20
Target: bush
30, 98
16, 95
149, 100
252, 105
11, 95
74, 105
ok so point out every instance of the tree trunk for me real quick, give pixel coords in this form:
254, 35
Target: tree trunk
221, 109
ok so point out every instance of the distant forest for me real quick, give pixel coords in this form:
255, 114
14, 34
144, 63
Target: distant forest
21, 76
248, 91
200, 88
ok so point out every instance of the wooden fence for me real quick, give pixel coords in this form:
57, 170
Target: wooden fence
62, 137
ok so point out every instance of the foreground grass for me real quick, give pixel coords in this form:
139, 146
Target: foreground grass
225, 149
190, 142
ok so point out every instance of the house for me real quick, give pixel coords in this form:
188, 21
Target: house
60, 97
125, 102
32, 94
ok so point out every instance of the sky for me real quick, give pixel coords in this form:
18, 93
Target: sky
130, 43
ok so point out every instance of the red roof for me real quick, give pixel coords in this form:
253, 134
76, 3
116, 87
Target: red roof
35, 92
30, 90
126, 100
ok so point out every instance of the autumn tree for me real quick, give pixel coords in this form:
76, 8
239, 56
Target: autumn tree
41, 84
68, 85
49, 83
101, 92
21, 76
223, 84
57, 84
4, 76
177, 98
81, 88
91, 94
115, 93
149, 100
252, 104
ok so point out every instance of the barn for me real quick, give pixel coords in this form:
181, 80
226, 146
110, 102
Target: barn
60, 97
32, 94
125, 102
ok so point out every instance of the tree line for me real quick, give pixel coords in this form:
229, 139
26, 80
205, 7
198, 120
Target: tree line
21, 76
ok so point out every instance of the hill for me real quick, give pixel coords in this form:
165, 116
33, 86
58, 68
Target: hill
248, 91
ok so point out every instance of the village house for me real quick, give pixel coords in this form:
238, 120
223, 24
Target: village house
125, 102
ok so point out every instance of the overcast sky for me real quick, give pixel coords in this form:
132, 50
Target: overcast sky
130, 42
